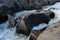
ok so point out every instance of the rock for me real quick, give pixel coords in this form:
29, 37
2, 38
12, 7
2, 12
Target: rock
12, 6
11, 20
32, 4
39, 3
3, 19
28, 20
5, 7
35, 34
52, 32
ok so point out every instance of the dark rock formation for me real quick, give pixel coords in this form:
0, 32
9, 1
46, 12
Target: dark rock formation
27, 21
5, 7
12, 6
35, 34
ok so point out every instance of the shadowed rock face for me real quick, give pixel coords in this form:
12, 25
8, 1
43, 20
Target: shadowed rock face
11, 20
35, 34
12, 6
35, 20
5, 7
3, 19
28, 20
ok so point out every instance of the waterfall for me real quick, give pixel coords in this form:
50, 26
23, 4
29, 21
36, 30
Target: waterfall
7, 33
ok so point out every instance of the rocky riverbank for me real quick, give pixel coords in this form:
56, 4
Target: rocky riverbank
26, 21
36, 22
12, 6
22, 27
51, 33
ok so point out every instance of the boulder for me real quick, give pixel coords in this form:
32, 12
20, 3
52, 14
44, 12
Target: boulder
11, 20
52, 32
27, 21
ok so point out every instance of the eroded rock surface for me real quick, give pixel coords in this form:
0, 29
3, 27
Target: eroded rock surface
51, 33
35, 34
11, 20
27, 21
12, 6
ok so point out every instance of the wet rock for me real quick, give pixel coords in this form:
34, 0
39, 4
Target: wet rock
28, 20
5, 7
12, 6
35, 34
11, 20
33, 4
51, 33
38, 3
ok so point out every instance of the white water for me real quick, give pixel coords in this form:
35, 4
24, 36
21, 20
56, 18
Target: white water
17, 14
40, 26
9, 33
54, 8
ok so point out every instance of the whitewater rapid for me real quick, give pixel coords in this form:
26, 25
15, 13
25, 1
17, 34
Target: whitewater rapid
7, 33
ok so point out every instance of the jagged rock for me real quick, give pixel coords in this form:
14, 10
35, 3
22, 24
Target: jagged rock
35, 34
5, 7
28, 20
11, 20
38, 3
52, 32
12, 6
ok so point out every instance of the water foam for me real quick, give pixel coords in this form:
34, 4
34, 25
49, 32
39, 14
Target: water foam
54, 8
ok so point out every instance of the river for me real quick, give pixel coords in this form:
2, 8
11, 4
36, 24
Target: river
7, 33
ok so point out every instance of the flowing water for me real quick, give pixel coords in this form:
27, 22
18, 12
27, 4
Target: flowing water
7, 33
